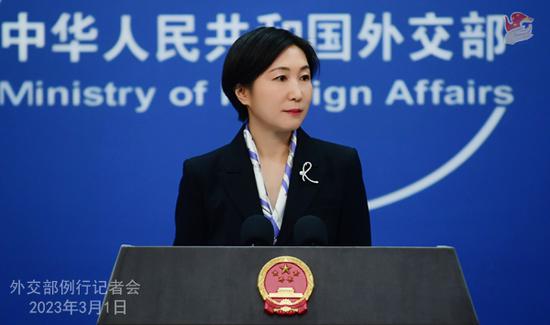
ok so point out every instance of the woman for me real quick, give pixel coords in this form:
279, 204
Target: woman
272, 167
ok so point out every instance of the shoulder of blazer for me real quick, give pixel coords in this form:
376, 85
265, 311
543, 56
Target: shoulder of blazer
338, 153
209, 158
232, 156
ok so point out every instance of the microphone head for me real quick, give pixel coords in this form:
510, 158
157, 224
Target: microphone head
256, 230
310, 231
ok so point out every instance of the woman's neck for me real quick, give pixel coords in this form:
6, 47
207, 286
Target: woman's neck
271, 145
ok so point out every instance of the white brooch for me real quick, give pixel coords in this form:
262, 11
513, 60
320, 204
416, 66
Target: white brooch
306, 168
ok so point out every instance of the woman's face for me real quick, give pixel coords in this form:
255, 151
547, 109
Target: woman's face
279, 98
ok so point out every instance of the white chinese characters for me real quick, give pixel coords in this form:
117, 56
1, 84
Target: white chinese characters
177, 36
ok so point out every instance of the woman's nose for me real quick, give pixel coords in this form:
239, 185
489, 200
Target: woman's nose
295, 91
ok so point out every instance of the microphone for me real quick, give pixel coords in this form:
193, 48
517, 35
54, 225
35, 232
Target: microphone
310, 231
256, 230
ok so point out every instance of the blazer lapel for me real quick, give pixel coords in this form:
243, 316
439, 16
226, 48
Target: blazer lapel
301, 191
238, 177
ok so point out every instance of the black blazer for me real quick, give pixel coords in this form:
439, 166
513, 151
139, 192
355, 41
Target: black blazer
218, 192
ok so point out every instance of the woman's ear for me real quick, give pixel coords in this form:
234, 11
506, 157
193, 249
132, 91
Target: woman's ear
243, 94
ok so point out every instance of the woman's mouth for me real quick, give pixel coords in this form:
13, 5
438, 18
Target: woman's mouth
294, 111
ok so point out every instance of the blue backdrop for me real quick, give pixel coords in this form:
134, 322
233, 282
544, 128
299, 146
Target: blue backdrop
100, 102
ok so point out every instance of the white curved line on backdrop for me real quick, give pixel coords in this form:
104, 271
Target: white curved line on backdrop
445, 169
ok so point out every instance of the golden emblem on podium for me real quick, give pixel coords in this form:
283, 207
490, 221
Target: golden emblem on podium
285, 284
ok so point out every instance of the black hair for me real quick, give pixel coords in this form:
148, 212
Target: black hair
253, 53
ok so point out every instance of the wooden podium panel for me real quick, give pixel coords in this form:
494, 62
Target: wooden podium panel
353, 285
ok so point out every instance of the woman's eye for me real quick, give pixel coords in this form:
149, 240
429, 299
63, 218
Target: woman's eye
305, 77
280, 78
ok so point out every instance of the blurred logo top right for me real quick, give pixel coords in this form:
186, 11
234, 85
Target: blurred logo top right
519, 27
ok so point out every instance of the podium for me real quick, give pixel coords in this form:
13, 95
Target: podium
353, 285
